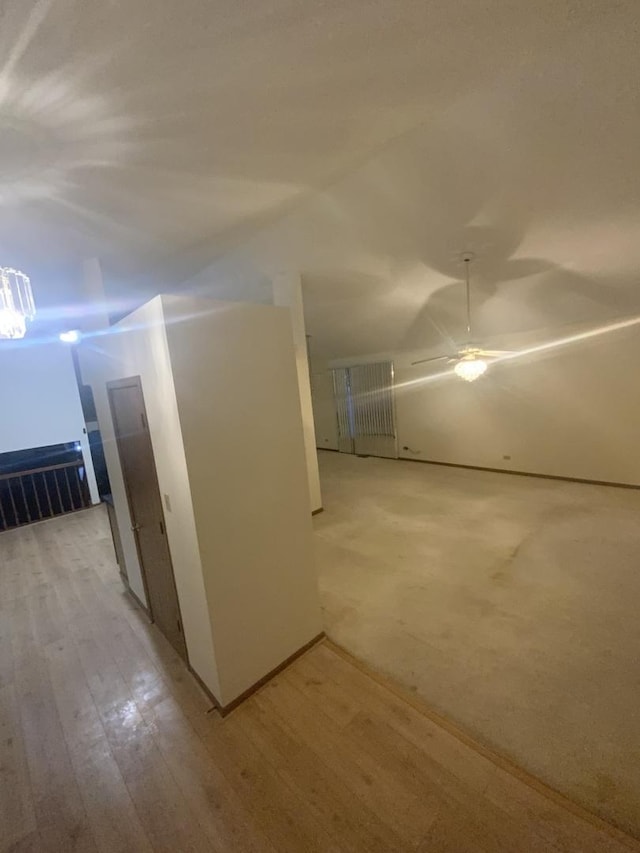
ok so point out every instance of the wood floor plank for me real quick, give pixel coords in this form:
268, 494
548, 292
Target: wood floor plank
329, 798
110, 811
406, 814
17, 814
226, 819
32, 843
470, 768
165, 814
60, 813
279, 809
6, 645
106, 742
375, 735
453, 833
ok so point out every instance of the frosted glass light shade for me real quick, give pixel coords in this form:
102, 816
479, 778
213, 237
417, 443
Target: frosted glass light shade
470, 369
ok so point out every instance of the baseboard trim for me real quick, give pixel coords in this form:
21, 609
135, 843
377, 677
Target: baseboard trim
223, 710
317, 511
204, 688
227, 709
613, 485
501, 761
131, 593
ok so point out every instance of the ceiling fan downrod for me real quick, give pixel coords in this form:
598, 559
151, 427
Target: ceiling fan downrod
467, 258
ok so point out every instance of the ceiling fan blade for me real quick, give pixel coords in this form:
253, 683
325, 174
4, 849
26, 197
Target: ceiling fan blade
495, 353
435, 358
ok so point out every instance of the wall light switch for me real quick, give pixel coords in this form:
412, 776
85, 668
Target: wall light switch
167, 502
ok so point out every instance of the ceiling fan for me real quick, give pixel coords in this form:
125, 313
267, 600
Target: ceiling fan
470, 361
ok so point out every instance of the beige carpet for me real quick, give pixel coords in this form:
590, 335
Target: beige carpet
510, 604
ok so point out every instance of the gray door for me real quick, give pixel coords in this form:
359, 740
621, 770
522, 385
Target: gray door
145, 507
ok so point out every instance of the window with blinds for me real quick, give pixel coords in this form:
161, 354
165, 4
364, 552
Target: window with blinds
365, 410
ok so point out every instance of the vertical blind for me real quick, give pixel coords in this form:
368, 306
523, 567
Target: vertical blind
365, 410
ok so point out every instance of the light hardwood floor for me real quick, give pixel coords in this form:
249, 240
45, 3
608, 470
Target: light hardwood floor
106, 742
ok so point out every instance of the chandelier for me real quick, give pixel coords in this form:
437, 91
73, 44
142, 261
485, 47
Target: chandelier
470, 368
16, 303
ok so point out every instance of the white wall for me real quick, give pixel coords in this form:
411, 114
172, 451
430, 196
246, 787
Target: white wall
236, 383
221, 393
137, 346
40, 400
570, 411
287, 293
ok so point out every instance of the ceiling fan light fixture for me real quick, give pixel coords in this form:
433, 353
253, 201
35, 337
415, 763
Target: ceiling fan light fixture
470, 361
470, 369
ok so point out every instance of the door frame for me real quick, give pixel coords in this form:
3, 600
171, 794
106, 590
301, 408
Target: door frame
136, 382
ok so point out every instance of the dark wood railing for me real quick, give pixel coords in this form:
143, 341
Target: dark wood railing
39, 493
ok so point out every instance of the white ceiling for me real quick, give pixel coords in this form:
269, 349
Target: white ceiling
156, 135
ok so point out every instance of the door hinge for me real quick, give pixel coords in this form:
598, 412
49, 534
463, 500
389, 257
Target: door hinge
161, 523
179, 624
144, 420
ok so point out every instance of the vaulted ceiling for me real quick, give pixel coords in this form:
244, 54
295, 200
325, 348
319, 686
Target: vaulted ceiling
369, 142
